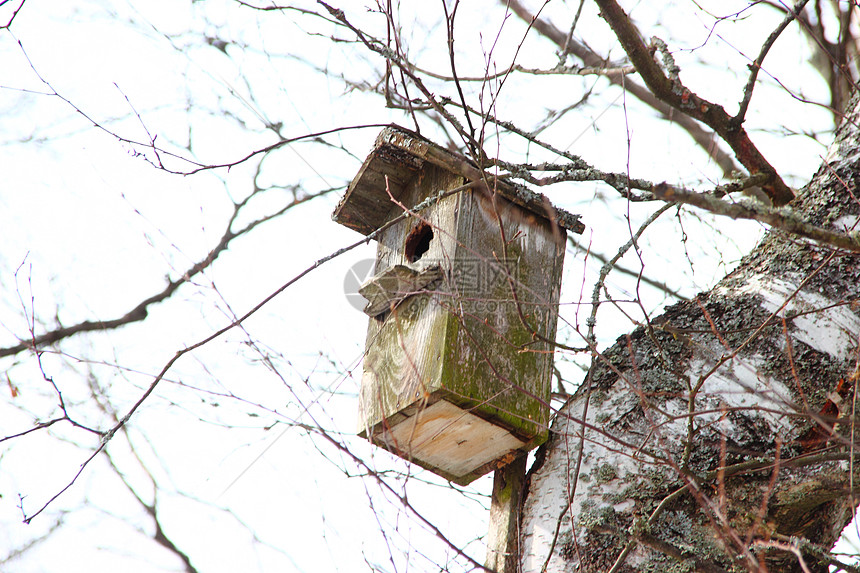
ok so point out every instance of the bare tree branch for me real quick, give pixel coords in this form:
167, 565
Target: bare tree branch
11, 19
832, 59
703, 139
756, 65
781, 219
672, 91
140, 311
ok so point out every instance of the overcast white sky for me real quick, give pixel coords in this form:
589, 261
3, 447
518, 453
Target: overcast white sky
90, 229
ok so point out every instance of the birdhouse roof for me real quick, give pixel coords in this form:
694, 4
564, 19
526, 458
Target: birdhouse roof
398, 155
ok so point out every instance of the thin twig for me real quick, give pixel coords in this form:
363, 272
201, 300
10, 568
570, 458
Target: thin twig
756, 65
659, 285
669, 89
109, 434
141, 310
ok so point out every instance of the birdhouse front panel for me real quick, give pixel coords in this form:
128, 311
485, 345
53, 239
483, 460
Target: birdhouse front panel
463, 302
406, 336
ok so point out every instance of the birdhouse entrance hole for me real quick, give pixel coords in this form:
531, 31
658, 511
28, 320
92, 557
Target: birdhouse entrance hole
418, 241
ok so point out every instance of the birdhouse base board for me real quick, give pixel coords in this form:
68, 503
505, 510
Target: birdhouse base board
449, 441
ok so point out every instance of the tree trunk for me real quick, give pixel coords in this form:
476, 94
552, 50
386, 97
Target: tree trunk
717, 438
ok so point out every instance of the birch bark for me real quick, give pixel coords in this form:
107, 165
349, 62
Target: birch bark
719, 436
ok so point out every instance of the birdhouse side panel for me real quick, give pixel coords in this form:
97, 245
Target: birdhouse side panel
503, 288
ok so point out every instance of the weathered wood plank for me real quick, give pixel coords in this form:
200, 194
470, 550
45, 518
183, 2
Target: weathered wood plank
503, 533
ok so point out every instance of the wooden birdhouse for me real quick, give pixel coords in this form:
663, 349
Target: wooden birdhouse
463, 304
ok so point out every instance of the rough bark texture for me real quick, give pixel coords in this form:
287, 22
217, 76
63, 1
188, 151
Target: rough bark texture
708, 437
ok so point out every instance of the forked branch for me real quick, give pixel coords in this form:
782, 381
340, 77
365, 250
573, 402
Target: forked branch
671, 91
591, 60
